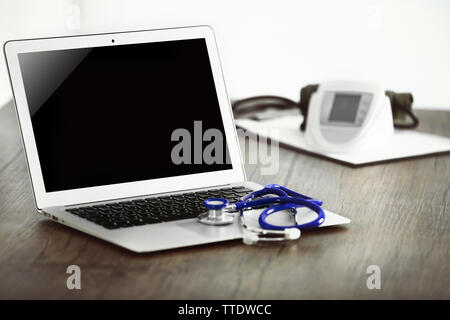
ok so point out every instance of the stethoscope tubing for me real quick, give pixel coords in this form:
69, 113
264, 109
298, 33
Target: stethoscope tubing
283, 199
282, 203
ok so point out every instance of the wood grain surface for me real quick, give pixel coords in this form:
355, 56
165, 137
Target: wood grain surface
400, 214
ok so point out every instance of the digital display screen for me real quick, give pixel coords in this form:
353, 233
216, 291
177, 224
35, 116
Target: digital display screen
106, 115
344, 108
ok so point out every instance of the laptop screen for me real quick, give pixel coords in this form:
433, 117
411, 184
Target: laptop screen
123, 113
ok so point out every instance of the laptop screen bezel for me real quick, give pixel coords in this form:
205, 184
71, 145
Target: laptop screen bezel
130, 189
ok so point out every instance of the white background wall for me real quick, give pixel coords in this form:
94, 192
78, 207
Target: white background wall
274, 47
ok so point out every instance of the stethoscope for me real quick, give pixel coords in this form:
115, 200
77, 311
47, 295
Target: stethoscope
221, 212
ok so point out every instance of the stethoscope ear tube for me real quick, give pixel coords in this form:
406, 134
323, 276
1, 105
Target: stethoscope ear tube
291, 203
252, 236
269, 232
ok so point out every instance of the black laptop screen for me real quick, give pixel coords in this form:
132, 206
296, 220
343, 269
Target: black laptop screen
109, 115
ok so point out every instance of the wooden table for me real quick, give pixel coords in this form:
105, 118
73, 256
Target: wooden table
400, 214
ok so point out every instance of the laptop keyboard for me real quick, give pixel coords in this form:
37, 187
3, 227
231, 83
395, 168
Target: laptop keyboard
156, 209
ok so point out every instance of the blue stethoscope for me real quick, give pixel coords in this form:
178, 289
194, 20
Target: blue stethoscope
220, 212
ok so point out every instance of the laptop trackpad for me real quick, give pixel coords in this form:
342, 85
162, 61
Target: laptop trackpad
230, 231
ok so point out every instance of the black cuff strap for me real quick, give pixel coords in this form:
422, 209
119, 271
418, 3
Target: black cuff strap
305, 96
401, 104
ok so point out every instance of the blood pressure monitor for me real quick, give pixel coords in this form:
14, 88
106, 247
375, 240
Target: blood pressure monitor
338, 116
346, 116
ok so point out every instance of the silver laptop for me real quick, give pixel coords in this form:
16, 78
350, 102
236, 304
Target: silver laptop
117, 130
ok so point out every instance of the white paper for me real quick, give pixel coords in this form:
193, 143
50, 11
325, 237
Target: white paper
405, 143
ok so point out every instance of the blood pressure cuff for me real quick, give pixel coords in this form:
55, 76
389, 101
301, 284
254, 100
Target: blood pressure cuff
401, 105
305, 96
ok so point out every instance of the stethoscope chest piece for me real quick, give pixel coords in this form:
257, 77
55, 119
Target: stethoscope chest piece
216, 215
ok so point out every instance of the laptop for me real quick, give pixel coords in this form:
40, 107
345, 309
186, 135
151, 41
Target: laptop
114, 127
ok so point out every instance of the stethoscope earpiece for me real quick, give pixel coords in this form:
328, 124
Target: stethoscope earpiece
292, 233
254, 236
250, 238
